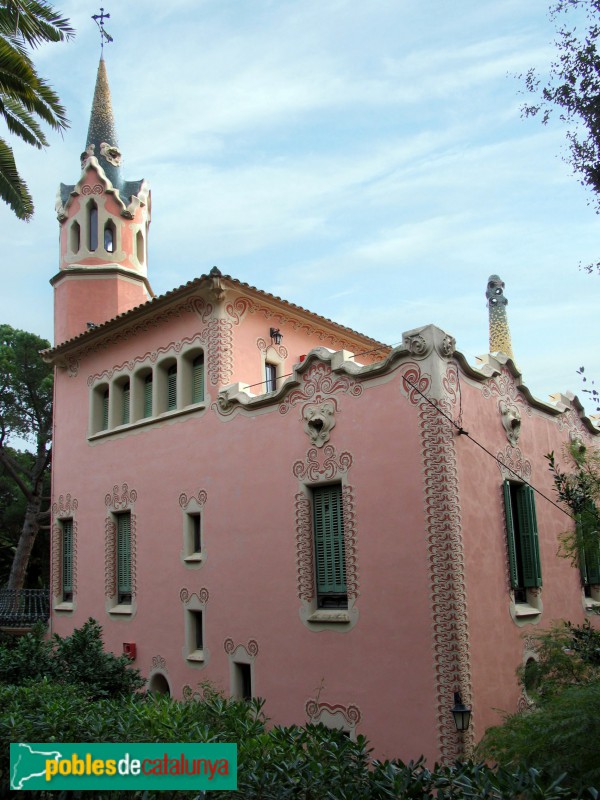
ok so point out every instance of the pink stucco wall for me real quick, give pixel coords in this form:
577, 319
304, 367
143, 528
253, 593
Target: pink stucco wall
389, 664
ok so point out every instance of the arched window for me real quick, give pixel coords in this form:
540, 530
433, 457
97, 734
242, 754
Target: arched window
110, 236
139, 242
75, 237
92, 226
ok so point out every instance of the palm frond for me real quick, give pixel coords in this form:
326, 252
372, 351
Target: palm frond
13, 189
21, 123
36, 21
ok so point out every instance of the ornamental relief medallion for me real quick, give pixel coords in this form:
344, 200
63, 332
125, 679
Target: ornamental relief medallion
319, 420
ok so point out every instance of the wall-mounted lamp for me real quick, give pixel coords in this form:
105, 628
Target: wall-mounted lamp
461, 713
276, 335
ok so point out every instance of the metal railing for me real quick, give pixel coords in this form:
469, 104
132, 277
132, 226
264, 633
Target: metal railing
22, 608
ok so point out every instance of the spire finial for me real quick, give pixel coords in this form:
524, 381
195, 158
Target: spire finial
104, 36
499, 332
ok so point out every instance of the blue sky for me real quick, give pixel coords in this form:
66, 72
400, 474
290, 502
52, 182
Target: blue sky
366, 160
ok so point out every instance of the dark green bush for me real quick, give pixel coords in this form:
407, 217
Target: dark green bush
79, 659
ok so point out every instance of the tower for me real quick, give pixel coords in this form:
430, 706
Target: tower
104, 220
499, 332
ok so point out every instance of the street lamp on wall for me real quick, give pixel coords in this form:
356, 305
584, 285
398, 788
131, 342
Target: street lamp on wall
461, 713
276, 335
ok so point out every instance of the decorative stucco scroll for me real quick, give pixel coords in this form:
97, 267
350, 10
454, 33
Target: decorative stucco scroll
503, 387
195, 305
336, 716
322, 467
263, 346
201, 596
319, 383
218, 336
251, 648
445, 555
200, 498
149, 356
517, 464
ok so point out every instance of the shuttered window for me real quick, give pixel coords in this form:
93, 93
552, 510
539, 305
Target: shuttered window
67, 559
126, 402
330, 557
104, 410
148, 395
172, 388
198, 379
124, 557
522, 536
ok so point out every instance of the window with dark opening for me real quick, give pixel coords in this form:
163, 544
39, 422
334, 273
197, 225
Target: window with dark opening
270, 377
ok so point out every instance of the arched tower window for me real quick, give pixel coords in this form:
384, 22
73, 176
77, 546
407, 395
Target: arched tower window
139, 242
75, 237
92, 226
110, 236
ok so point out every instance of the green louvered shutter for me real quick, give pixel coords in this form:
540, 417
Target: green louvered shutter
67, 557
172, 388
124, 554
148, 396
105, 410
329, 540
198, 380
510, 537
528, 536
126, 399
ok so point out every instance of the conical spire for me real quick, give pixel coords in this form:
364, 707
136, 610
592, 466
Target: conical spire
499, 332
102, 136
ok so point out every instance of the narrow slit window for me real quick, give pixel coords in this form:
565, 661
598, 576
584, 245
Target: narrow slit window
198, 379
93, 226
67, 560
126, 403
270, 377
197, 630
105, 399
124, 590
139, 240
75, 237
172, 388
110, 235
148, 395
243, 681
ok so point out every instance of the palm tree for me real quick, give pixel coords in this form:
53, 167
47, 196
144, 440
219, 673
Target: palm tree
25, 98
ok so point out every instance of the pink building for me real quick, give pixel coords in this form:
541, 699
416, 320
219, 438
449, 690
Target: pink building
249, 494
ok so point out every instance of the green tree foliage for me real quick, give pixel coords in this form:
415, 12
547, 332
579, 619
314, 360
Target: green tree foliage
26, 413
76, 660
572, 87
26, 100
560, 735
274, 763
579, 490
